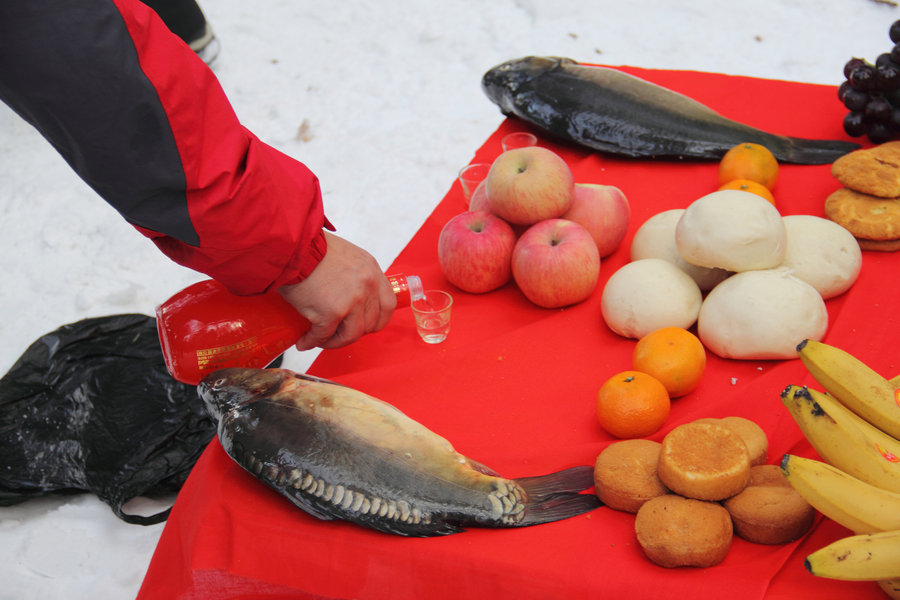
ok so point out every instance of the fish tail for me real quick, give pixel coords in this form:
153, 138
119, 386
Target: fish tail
812, 152
556, 496
573, 480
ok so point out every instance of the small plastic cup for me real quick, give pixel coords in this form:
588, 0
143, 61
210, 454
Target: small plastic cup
432, 315
520, 139
471, 176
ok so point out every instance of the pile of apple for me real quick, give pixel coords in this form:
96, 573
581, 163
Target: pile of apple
564, 229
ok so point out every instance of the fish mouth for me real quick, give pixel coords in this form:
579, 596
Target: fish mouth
237, 376
510, 75
505, 80
224, 389
234, 382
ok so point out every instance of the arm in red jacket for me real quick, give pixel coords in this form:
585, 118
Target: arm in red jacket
146, 124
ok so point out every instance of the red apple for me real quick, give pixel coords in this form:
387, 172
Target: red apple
475, 251
479, 201
528, 185
556, 263
604, 211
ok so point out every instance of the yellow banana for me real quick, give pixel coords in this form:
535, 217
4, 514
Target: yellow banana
855, 384
866, 557
891, 587
843, 439
855, 504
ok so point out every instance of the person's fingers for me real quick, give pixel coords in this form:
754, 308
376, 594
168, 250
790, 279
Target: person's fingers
345, 297
386, 305
318, 333
350, 329
371, 313
368, 316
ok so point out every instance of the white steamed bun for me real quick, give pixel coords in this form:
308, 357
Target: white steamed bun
732, 230
761, 315
655, 238
822, 253
647, 294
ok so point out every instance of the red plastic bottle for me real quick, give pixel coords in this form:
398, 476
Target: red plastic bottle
205, 327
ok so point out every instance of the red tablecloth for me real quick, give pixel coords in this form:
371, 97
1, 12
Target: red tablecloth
514, 387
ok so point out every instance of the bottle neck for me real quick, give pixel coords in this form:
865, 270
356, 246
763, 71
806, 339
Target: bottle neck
407, 288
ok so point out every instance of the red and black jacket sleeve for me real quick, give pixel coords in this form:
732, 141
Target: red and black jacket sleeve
145, 123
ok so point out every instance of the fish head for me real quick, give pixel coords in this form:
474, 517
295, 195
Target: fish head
225, 389
504, 81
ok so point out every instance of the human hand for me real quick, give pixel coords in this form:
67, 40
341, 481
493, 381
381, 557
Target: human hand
345, 297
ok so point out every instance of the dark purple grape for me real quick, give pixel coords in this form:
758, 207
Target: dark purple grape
863, 78
855, 100
855, 124
842, 89
878, 109
851, 64
894, 32
895, 53
880, 132
895, 119
884, 59
888, 77
893, 97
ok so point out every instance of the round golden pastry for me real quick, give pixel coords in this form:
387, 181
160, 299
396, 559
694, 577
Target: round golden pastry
754, 437
874, 171
706, 461
769, 510
866, 217
752, 434
879, 245
625, 474
674, 531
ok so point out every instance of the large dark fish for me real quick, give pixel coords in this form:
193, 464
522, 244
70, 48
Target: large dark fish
338, 453
611, 111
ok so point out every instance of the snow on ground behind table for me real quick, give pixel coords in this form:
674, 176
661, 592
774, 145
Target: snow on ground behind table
390, 96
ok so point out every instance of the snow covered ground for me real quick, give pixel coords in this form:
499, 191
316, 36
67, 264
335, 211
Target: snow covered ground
389, 96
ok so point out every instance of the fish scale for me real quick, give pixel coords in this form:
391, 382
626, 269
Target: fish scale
338, 453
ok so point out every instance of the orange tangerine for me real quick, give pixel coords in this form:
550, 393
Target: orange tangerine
674, 356
749, 161
747, 185
632, 404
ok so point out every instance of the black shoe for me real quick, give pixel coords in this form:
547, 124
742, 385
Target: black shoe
206, 46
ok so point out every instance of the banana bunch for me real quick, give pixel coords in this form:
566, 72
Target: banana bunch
855, 384
854, 426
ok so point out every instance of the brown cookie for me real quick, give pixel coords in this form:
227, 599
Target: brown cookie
752, 434
882, 246
769, 510
625, 474
681, 532
874, 171
705, 461
866, 217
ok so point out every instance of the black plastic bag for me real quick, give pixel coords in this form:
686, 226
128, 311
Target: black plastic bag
91, 407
